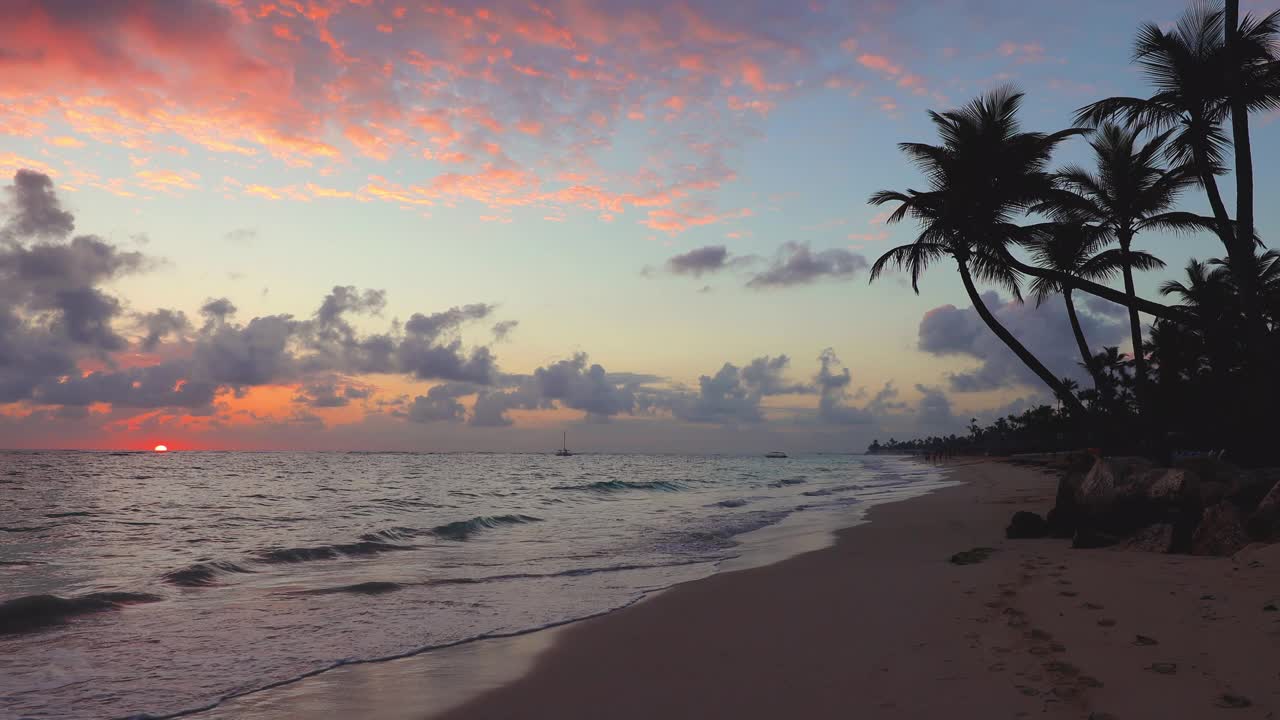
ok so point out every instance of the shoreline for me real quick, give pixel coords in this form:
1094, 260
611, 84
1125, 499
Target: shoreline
439, 678
878, 623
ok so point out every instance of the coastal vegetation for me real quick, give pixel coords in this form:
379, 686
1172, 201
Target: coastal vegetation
1202, 374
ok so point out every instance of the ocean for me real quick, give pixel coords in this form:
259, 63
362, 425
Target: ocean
155, 585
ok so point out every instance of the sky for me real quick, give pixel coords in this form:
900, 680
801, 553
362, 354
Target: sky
358, 224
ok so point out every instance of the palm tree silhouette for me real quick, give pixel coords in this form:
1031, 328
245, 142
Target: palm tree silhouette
1199, 83
1073, 248
1130, 192
984, 174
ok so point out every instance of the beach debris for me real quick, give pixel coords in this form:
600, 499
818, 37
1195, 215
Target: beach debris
1144, 640
972, 557
1026, 525
1227, 700
1164, 668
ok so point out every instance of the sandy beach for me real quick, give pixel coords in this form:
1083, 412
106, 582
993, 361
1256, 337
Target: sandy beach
879, 625
883, 625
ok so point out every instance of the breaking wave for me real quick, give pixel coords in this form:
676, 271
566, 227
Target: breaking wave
33, 612
623, 485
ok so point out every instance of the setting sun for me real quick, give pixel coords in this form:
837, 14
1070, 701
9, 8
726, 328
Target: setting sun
162, 448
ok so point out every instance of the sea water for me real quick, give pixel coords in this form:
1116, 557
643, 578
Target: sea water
143, 584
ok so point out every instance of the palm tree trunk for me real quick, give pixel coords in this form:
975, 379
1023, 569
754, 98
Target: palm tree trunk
1085, 355
1067, 280
1210, 183
1009, 340
1240, 132
1135, 325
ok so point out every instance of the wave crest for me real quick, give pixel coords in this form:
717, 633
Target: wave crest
202, 574
463, 529
33, 612
623, 485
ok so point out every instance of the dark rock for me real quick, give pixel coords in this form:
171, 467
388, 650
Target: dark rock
1114, 495
1154, 538
1168, 486
1064, 518
1264, 523
1089, 538
1211, 470
1221, 531
1025, 525
1250, 489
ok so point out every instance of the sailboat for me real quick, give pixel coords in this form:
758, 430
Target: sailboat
564, 446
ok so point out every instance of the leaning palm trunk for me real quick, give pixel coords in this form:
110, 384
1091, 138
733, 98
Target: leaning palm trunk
1018, 349
1204, 169
1135, 325
1085, 356
1067, 280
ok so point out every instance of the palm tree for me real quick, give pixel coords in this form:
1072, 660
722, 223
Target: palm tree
1253, 83
984, 174
1073, 248
1130, 192
1198, 84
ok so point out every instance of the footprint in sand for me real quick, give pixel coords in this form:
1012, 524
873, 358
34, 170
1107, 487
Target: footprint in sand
1144, 640
1106, 622
1164, 668
1092, 606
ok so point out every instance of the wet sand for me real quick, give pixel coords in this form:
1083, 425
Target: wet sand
882, 625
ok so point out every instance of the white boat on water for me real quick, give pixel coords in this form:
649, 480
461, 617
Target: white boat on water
564, 447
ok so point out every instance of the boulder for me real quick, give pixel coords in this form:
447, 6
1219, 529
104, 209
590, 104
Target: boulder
1221, 531
1249, 489
1167, 486
1087, 538
1123, 496
1153, 538
1025, 525
1211, 470
1098, 490
1264, 523
1064, 518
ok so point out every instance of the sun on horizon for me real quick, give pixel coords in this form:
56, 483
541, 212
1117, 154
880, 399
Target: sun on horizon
161, 448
